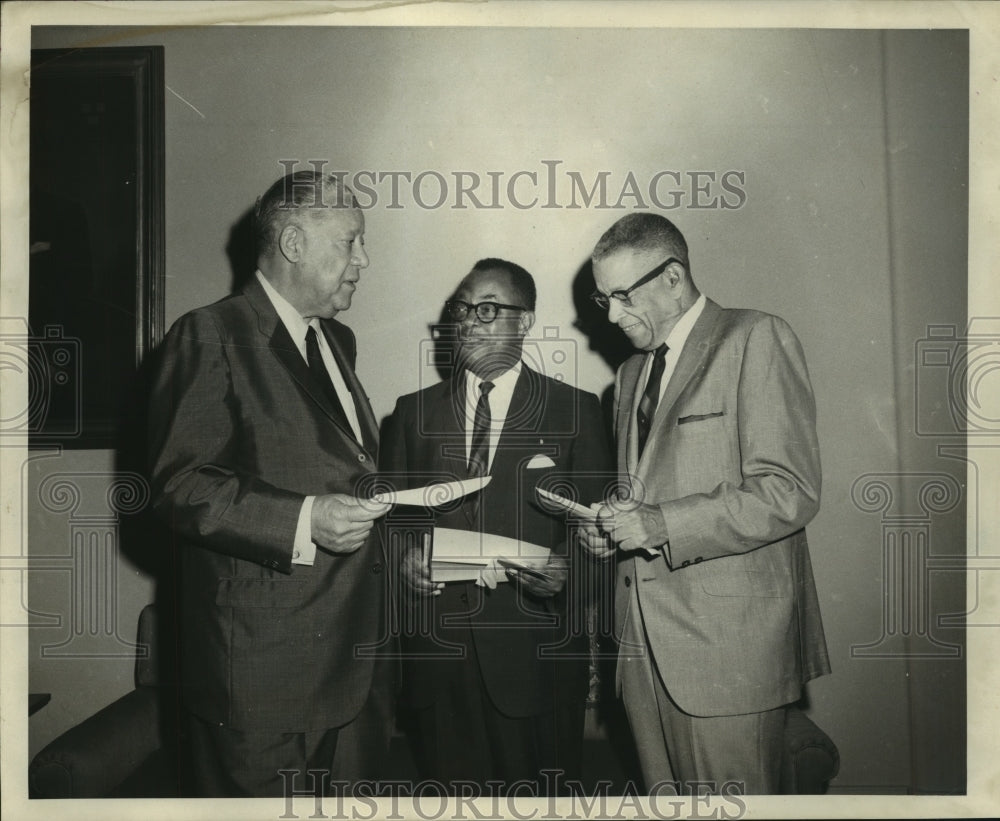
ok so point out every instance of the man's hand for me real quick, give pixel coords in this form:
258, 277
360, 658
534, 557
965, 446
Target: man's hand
341, 523
633, 526
594, 540
417, 575
556, 568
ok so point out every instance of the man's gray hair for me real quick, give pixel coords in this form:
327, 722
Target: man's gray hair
642, 232
298, 190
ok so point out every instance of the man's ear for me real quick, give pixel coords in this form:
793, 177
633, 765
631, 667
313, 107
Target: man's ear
526, 322
674, 274
290, 242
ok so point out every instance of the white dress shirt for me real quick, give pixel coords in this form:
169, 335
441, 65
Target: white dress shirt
500, 396
304, 549
675, 340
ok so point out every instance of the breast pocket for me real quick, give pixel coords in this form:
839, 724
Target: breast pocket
699, 417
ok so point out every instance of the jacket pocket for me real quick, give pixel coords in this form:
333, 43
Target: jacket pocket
745, 583
699, 417
260, 592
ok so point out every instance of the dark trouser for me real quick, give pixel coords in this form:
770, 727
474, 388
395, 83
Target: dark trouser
462, 736
233, 763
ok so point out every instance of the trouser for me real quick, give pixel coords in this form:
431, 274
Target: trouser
462, 736
234, 763
703, 753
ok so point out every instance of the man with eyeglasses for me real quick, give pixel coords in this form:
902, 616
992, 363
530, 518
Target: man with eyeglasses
716, 608
498, 682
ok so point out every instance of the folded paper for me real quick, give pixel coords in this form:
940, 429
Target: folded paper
434, 495
562, 503
465, 555
540, 460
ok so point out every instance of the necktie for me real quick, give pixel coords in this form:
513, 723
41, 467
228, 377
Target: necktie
479, 457
650, 397
322, 376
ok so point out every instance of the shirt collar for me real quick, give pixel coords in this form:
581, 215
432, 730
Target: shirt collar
293, 321
504, 381
682, 330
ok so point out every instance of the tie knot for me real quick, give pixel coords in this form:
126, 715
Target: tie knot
485, 388
661, 351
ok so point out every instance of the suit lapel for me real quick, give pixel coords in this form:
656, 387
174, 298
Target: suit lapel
524, 417
286, 351
526, 405
625, 430
366, 418
690, 364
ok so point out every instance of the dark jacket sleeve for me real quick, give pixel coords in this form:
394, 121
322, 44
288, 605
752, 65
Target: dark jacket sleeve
197, 486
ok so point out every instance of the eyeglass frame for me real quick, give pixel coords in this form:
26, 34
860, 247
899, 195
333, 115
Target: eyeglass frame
603, 301
474, 308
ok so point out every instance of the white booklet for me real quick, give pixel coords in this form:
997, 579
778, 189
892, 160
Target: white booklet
460, 555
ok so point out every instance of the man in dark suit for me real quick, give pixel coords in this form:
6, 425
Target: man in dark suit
260, 437
498, 679
716, 608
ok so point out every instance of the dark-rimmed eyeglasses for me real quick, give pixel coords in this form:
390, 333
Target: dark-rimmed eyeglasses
604, 300
485, 312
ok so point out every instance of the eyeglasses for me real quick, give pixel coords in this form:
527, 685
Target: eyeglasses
604, 300
485, 312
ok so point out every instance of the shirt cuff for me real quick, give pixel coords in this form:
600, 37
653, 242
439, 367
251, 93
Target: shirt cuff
304, 550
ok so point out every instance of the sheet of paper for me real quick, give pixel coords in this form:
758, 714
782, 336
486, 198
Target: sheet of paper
469, 547
434, 495
565, 504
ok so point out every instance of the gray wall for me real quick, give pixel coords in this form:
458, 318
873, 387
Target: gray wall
853, 145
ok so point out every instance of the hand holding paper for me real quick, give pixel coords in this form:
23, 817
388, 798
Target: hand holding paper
341, 523
416, 571
634, 526
542, 582
594, 540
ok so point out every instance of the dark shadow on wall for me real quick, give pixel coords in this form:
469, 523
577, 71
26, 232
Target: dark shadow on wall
146, 542
603, 337
242, 252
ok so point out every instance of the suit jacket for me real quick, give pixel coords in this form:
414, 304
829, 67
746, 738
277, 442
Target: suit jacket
425, 440
730, 607
240, 434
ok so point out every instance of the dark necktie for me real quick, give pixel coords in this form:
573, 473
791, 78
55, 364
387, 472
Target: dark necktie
479, 457
322, 376
650, 397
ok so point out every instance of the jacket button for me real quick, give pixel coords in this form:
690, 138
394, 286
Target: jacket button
685, 563
698, 560
362, 457
628, 581
377, 567
464, 599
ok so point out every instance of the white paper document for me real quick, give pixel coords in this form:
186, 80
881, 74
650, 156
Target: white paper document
461, 555
434, 495
562, 503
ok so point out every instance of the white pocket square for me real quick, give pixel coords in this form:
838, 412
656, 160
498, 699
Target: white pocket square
540, 460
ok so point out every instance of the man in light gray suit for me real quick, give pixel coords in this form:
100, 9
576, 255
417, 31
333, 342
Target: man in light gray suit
716, 608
